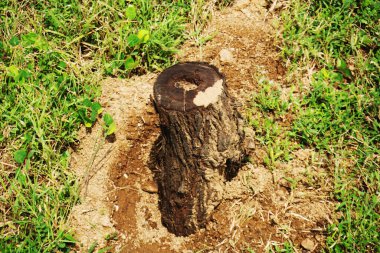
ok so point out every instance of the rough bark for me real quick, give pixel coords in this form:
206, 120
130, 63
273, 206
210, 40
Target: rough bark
200, 147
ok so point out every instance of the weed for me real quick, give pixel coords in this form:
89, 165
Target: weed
92, 247
286, 247
103, 250
265, 115
109, 125
112, 236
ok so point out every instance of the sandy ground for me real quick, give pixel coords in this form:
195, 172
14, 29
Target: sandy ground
261, 208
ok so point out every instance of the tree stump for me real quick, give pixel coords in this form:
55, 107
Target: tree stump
200, 147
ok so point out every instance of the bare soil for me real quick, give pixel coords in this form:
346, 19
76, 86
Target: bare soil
261, 208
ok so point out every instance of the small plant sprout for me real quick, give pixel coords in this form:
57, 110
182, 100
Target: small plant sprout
109, 125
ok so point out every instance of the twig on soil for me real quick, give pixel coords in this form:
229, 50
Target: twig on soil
300, 216
136, 173
315, 230
98, 165
122, 188
88, 211
87, 176
7, 164
221, 243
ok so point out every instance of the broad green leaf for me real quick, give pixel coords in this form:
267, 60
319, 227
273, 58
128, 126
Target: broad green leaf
82, 113
29, 39
342, 66
111, 128
62, 65
130, 12
69, 237
88, 124
27, 137
130, 63
133, 40
97, 108
87, 102
143, 35
108, 120
14, 41
66, 154
41, 44
12, 71
24, 74
20, 155
93, 116
325, 73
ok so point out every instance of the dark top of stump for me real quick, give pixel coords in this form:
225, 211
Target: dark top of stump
177, 86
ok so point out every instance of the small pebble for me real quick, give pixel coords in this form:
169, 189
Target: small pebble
308, 244
251, 145
226, 56
105, 221
150, 187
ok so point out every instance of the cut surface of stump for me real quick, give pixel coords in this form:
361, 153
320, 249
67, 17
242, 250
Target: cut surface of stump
200, 147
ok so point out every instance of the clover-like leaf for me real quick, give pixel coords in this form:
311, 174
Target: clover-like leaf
108, 120
143, 35
111, 129
96, 107
12, 71
130, 63
20, 155
14, 41
130, 12
133, 40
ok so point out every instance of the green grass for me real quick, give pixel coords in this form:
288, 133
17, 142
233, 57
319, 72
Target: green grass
337, 113
340, 113
266, 114
53, 54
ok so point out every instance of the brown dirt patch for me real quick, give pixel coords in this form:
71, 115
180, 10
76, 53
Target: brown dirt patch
246, 32
261, 208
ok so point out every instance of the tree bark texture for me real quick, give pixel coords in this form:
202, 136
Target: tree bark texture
200, 147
